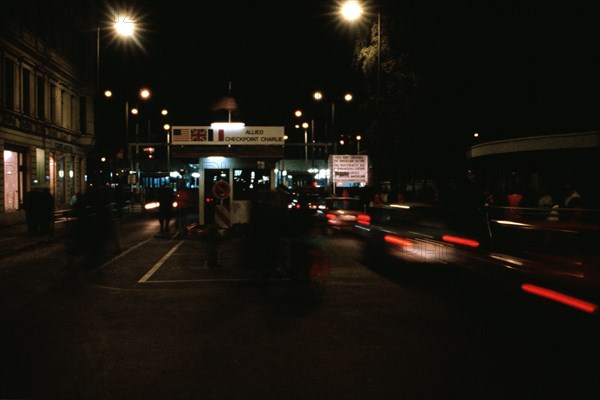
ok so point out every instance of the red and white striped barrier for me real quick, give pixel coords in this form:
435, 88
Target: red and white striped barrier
223, 216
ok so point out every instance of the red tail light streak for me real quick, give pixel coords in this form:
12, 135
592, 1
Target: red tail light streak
397, 240
562, 298
364, 219
461, 241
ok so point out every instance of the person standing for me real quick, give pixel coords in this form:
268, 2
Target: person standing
46, 211
165, 209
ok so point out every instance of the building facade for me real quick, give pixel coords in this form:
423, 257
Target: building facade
46, 107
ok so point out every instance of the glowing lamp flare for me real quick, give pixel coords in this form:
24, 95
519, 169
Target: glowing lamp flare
351, 10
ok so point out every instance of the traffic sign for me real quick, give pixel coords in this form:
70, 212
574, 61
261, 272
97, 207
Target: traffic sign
221, 190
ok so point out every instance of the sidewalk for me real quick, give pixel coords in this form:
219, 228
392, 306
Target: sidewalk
15, 238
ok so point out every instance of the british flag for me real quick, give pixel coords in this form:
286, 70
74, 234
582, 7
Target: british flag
198, 135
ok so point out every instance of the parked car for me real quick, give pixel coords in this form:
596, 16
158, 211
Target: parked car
341, 213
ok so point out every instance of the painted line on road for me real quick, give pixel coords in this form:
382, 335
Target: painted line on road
160, 263
129, 250
219, 280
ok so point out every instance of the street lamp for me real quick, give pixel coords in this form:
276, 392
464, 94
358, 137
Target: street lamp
305, 127
123, 27
351, 11
318, 96
144, 94
358, 139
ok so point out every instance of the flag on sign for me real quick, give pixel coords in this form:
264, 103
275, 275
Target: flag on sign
181, 135
198, 135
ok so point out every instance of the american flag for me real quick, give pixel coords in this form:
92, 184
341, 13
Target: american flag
181, 135
198, 135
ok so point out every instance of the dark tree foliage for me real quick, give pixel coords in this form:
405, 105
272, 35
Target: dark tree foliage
391, 101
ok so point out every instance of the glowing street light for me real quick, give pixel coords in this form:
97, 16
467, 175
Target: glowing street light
145, 93
351, 11
124, 26
318, 96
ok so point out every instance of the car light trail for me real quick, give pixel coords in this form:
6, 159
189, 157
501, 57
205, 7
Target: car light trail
459, 240
560, 298
364, 219
397, 240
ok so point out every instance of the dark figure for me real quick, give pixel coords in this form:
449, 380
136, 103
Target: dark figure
46, 211
184, 205
30, 204
266, 218
39, 210
120, 198
165, 210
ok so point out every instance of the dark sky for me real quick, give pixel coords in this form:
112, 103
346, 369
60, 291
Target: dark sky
499, 66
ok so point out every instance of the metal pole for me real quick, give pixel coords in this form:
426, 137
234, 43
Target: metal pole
97, 59
137, 157
305, 146
333, 136
312, 134
127, 138
378, 54
169, 153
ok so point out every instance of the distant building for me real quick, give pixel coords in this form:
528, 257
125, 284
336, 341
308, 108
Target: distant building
47, 83
536, 165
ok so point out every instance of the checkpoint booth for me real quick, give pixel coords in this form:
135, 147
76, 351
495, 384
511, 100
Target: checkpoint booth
233, 162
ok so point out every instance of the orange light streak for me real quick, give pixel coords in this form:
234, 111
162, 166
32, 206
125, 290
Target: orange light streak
560, 298
459, 240
397, 240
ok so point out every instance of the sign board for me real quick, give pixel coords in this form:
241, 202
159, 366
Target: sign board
235, 135
348, 168
221, 190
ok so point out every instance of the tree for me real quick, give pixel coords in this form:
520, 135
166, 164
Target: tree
391, 101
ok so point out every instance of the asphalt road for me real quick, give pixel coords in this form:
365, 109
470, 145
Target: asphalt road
174, 318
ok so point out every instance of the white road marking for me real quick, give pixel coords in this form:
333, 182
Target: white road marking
160, 263
220, 280
129, 250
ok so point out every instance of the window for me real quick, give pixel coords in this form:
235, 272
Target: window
53, 103
26, 92
83, 114
9, 88
41, 98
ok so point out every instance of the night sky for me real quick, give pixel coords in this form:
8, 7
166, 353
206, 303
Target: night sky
506, 68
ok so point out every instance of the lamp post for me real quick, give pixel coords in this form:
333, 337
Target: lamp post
143, 94
167, 129
318, 96
123, 27
358, 139
351, 11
